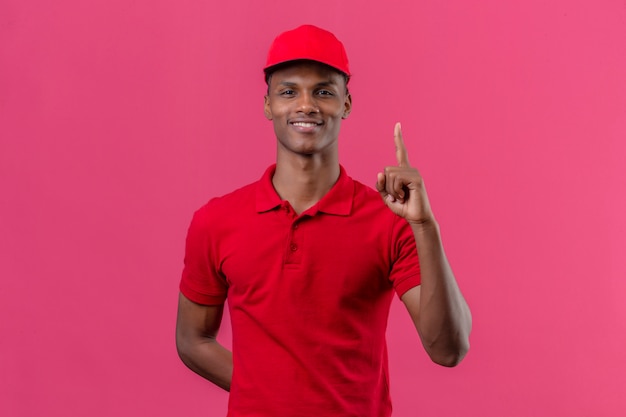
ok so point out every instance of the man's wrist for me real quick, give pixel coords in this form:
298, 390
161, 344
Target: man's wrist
426, 229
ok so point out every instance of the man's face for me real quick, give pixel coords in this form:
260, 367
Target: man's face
306, 102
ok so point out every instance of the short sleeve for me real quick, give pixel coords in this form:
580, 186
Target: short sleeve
201, 280
405, 268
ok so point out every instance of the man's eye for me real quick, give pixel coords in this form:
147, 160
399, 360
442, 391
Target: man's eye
325, 93
287, 93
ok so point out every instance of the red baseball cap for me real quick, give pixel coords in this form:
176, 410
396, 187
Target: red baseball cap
310, 43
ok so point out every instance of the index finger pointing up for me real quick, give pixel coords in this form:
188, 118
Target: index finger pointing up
401, 154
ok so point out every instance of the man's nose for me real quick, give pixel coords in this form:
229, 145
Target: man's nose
307, 104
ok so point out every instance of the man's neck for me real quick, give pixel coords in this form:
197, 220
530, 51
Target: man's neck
304, 181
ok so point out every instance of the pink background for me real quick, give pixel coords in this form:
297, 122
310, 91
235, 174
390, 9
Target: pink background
119, 118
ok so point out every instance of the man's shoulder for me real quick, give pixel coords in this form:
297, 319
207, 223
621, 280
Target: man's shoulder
365, 190
232, 201
369, 204
243, 192
365, 194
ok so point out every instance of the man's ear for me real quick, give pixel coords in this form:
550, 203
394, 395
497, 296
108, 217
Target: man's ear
347, 106
266, 108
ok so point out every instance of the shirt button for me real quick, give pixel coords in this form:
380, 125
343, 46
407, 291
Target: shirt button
295, 226
293, 247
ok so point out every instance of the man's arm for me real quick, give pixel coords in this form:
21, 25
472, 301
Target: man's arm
437, 307
196, 331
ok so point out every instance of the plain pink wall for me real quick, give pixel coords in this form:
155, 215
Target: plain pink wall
119, 118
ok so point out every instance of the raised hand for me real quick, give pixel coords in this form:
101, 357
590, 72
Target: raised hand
402, 187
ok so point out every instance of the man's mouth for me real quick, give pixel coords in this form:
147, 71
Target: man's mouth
305, 124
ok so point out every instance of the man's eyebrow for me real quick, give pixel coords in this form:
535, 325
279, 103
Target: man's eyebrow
326, 83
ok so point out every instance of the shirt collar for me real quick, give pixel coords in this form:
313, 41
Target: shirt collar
337, 201
266, 196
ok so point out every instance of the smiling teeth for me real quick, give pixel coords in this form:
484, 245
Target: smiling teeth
303, 124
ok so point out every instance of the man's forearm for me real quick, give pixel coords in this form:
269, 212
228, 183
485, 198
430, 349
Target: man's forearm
444, 320
209, 359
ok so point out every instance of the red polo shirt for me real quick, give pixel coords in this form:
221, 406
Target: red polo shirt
308, 296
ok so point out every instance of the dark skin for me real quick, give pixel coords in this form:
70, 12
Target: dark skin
437, 307
306, 103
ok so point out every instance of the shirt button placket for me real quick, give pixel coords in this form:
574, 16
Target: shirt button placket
293, 253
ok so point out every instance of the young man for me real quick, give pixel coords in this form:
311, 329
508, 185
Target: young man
309, 260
